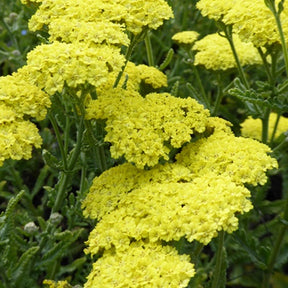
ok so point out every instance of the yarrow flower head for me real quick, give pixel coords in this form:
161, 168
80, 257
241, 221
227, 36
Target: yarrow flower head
215, 9
243, 160
252, 128
147, 264
185, 39
254, 22
20, 100
136, 15
92, 33
195, 197
139, 128
214, 52
58, 284
17, 136
72, 63
24, 98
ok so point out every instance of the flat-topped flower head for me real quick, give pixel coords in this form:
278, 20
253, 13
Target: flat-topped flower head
185, 37
114, 184
243, 160
24, 98
136, 15
215, 9
50, 66
17, 137
252, 128
169, 211
92, 33
254, 22
140, 128
56, 284
142, 265
214, 52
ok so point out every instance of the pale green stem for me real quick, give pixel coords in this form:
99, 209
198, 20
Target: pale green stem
98, 151
219, 260
149, 50
198, 80
59, 140
219, 96
228, 34
65, 177
128, 54
266, 64
281, 33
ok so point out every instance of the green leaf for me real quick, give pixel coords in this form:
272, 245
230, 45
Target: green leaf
175, 88
51, 160
24, 266
167, 60
252, 247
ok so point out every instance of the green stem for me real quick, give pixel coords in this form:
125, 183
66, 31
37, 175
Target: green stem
229, 36
128, 54
59, 140
219, 96
198, 80
97, 149
149, 50
66, 174
219, 261
276, 248
266, 64
272, 7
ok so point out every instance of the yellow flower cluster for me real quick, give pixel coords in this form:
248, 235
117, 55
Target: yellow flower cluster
243, 160
143, 265
20, 100
214, 52
185, 37
59, 284
143, 129
254, 22
135, 14
92, 33
215, 9
195, 197
251, 19
17, 136
252, 128
133, 77
70, 63
24, 98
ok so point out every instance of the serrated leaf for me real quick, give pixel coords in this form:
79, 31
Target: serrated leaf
51, 160
167, 60
66, 239
24, 264
251, 246
74, 265
194, 93
174, 89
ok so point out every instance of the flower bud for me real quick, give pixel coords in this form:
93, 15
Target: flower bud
56, 218
31, 228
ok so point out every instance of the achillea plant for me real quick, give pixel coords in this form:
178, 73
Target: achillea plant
156, 176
